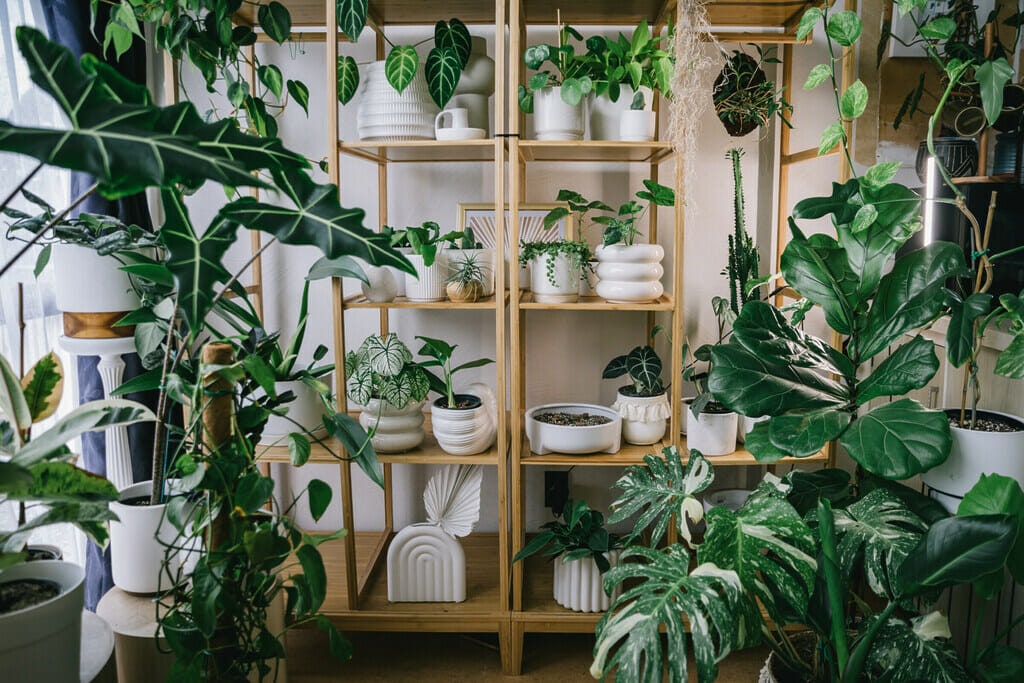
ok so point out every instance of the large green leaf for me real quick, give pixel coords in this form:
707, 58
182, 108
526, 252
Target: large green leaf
817, 267
957, 550
899, 440
660, 489
43, 387
317, 219
808, 487
760, 445
357, 445
905, 652
629, 639
387, 355
910, 367
347, 74
454, 34
805, 433
351, 16
87, 417
908, 297
400, 66
783, 577
12, 402
91, 518
882, 531
996, 494
443, 70
62, 482
762, 329
992, 76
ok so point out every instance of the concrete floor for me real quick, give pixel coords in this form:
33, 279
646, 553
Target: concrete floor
426, 657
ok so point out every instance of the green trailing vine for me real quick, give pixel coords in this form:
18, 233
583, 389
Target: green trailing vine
577, 251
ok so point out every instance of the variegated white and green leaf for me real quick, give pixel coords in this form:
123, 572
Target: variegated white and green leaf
359, 385
904, 653
396, 390
387, 355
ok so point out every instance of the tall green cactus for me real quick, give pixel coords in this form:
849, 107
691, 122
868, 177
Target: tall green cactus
743, 256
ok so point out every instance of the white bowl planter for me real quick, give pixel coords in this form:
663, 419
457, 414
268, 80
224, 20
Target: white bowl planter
43, 642
386, 115
975, 453
711, 433
304, 413
429, 282
397, 429
630, 274
554, 119
483, 257
564, 284
643, 417
605, 115
578, 584
466, 431
553, 438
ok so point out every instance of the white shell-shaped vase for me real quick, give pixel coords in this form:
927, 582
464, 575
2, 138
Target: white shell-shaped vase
578, 584
425, 564
452, 499
468, 431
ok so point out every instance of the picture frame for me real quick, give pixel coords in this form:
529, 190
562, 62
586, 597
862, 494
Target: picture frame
480, 217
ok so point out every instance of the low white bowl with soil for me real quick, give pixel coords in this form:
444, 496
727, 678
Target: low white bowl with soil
573, 428
996, 446
469, 428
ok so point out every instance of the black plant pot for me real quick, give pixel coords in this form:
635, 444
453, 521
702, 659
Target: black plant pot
958, 155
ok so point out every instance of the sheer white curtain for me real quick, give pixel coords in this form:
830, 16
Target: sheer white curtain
23, 103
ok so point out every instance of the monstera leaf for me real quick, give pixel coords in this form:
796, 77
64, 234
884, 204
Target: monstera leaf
629, 638
920, 651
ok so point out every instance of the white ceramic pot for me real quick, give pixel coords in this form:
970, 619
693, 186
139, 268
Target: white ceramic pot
470, 430
588, 281
476, 85
643, 417
96, 286
637, 125
396, 430
564, 285
711, 433
550, 438
746, 424
578, 584
605, 115
386, 115
484, 258
733, 499
43, 642
975, 453
304, 413
630, 274
137, 544
429, 282
382, 286
553, 119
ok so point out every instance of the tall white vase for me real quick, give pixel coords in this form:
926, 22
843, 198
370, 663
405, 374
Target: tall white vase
554, 119
385, 115
476, 85
429, 283
578, 584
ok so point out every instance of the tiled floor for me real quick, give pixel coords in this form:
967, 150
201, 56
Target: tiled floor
564, 658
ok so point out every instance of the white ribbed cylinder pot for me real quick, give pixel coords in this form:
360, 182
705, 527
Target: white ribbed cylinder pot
605, 115
561, 285
629, 274
396, 430
711, 433
386, 115
643, 417
400, 274
578, 584
554, 119
429, 282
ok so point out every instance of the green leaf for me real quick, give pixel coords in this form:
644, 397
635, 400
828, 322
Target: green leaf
387, 355
854, 100
992, 76
844, 27
629, 638
809, 487
818, 268
316, 576
1011, 359
830, 137
938, 29
539, 80
901, 653
343, 266
348, 78
910, 367
351, 17
617, 367
1001, 664
339, 647
206, 589
525, 99
237, 92
898, 440
758, 442
443, 69
806, 433
574, 89
59, 482
400, 66
270, 76
42, 387
319, 498
300, 93
807, 22
454, 35
996, 494
881, 173
357, 445
864, 219
88, 417
276, 21
818, 75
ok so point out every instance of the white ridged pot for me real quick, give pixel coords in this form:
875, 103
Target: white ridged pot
385, 115
381, 285
476, 85
466, 431
711, 433
564, 285
629, 274
137, 544
400, 274
396, 430
483, 257
98, 286
305, 413
578, 584
974, 453
43, 642
577, 440
554, 119
643, 417
606, 116
429, 282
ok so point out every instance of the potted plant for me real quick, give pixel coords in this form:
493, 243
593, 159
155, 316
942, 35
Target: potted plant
573, 428
429, 259
382, 377
581, 550
744, 97
710, 426
643, 404
556, 95
465, 281
41, 602
637, 124
556, 268
468, 249
463, 423
628, 68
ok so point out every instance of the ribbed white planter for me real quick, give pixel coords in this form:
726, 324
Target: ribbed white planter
605, 115
397, 429
386, 115
43, 642
710, 433
643, 417
429, 283
426, 565
305, 413
483, 257
98, 286
553, 119
975, 453
564, 285
470, 430
578, 584
629, 274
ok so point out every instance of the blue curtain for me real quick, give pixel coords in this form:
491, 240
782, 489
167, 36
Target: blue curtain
69, 22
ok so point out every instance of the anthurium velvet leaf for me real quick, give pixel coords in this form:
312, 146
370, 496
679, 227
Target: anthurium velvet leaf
898, 440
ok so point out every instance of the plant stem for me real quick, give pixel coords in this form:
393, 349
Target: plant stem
21, 185
39, 235
833, 582
159, 432
852, 672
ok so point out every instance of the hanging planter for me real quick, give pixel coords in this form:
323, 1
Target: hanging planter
744, 98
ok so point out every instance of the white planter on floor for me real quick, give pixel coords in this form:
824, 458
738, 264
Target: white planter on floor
630, 274
711, 433
554, 119
578, 584
43, 642
564, 284
605, 115
643, 417
429, 282
397, 429
466, 431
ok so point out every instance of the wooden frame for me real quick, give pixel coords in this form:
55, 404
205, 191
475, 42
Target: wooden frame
566, 228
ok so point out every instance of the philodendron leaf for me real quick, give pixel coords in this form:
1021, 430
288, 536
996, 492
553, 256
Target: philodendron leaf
629, 638
386, 355
910, 367
898, 440
400, 66
88, 417
882, 531
43, 387
914, 652
993, 75
854, 100
317, 219
351, 16
347, 75
442, 69
996, 494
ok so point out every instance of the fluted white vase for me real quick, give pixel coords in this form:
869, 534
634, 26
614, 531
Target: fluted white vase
385, 115
578, 584
429, 282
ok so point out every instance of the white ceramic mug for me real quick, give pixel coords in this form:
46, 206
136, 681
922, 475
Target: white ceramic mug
458, 118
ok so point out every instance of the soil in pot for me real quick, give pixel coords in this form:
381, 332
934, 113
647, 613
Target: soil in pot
42, 552
17, 595
462, 402
572, 419
986, 422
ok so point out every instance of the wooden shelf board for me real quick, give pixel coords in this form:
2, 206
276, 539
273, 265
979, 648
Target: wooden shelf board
743, 457
309, 13
423, 151
594, 303
594, 150
627, 455
429, 453
489, 303
977, 179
